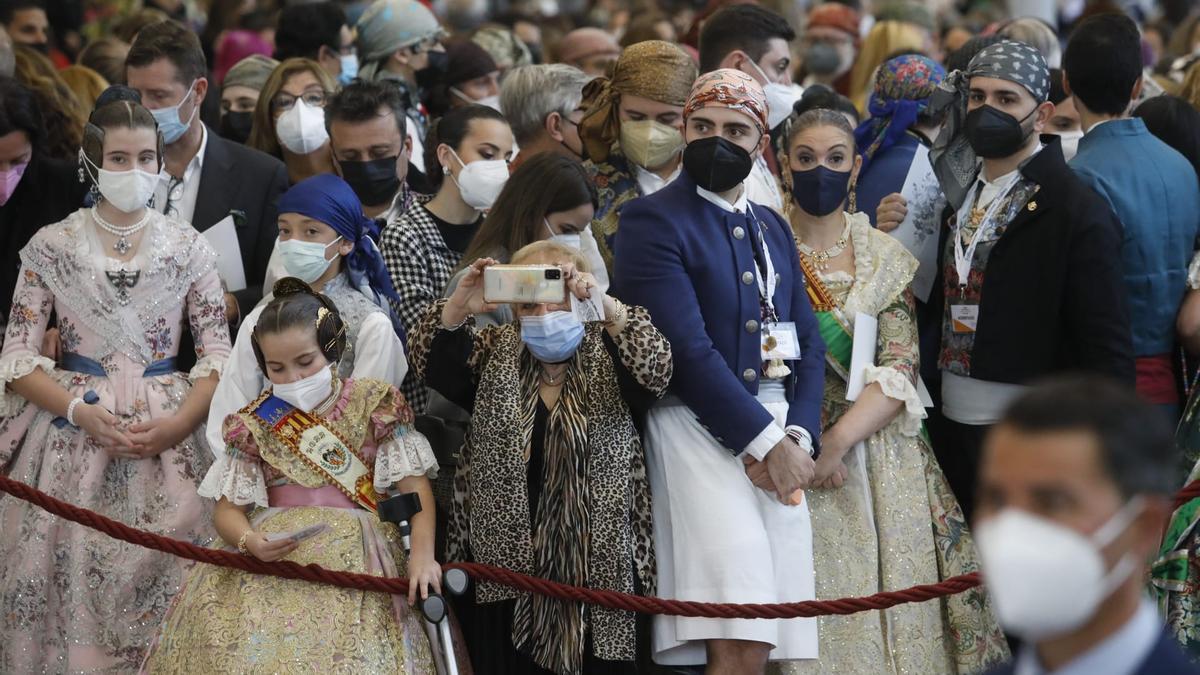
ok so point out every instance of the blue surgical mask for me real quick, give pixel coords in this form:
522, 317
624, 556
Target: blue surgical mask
349, 69
305, 260
169, 123
820, 190
552, 337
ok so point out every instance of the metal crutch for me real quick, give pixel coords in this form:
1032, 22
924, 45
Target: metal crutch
400, 510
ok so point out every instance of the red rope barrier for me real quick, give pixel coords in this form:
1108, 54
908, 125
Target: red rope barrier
366, 582
1187, 494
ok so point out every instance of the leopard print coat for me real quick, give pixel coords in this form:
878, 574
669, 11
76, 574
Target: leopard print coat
593, 525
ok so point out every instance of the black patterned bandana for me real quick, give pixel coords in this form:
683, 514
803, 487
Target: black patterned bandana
954, 162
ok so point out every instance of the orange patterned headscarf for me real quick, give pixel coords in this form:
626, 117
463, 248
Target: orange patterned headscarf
657, 70
729, 88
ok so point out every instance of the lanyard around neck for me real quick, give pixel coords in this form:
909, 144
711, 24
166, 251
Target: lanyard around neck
963, 259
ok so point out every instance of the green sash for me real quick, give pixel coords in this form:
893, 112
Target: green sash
839, 341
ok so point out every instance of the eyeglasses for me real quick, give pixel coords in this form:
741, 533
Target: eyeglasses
285, 102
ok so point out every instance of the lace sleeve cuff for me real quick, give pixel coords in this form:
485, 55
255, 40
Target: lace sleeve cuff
1193, 274
898, 386
235, 477
205, 367
14, 368
406, 454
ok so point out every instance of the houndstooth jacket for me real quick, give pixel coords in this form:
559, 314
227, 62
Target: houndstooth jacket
420, 264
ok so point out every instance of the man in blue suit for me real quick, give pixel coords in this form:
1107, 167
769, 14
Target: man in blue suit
1151, 188
1074, 492
730, 451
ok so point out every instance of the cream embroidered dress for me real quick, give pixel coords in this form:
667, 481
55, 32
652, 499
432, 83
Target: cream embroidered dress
228, 621
72, 599
894, 523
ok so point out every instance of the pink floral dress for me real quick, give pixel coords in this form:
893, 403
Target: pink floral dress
72, 599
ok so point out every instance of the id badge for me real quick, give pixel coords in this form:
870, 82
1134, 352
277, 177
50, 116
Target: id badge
779, 341
964, 318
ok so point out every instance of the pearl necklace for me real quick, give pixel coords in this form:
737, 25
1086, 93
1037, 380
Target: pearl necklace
121, 233
820, 259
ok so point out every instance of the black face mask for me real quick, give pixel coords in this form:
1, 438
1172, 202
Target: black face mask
434, 72
994, 134
716, 164
820, 191
822, 58
235, 126
374, 181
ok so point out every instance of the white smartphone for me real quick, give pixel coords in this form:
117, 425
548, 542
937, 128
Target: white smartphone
299, 535
523, 283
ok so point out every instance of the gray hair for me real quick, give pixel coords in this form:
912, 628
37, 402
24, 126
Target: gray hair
530, 93
1037, 34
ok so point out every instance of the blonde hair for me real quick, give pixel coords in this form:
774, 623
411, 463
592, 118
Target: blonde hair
883, 42
1190, 89
86, 83
551, 251
262, 133
64, 114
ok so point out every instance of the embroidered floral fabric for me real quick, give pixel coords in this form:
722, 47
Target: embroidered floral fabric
72, 599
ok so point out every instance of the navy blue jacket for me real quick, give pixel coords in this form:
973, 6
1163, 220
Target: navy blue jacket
1167, 658
691, 264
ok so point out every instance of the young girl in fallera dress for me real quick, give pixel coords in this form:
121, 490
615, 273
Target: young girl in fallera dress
311, 450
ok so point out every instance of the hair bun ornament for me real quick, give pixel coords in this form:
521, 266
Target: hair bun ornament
291, 286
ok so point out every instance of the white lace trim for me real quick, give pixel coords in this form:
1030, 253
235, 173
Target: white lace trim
883, 268
1193, 276
236, 479
207, 366
14, 368
407, 454
896, 385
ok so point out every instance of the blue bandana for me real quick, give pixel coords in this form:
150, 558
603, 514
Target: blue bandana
328, 199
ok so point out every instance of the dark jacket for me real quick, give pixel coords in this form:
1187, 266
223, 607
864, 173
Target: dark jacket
1054, 297
692, 265
1167, 658
49, 191
246, 183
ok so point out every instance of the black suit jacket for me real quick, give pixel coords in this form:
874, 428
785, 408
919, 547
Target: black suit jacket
49, 191
1053, 298
1167, 658
246, 183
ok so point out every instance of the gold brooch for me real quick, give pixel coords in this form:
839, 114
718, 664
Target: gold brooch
1032, 206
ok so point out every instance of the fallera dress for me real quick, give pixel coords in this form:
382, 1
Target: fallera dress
894, 523
73, 599
228, 621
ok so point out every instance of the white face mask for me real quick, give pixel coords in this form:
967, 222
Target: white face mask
481, 181
572, 240
492, 102
780, 98
302, 129
308, 393
1070, 143
1047, 579
128, 190
305, 260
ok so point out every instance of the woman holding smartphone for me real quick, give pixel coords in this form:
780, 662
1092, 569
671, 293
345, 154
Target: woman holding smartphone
552, 478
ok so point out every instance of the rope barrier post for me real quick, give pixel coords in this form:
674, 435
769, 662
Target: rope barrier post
400, 509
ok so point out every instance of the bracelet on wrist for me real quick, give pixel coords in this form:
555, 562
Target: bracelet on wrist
75, 403
619, 314
241, 544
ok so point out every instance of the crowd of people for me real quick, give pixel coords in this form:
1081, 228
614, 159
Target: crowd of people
855, 297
